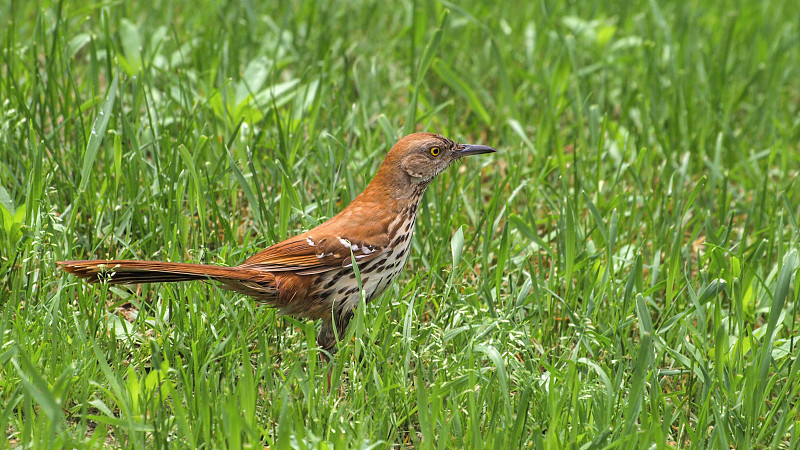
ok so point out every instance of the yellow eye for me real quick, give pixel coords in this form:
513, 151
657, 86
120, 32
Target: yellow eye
435, 151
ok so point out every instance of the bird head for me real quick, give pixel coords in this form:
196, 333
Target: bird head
422, 156
413, 162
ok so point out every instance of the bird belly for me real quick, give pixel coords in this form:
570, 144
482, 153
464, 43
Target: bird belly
376, 276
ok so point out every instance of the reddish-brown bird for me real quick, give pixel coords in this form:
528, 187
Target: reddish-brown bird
311, 275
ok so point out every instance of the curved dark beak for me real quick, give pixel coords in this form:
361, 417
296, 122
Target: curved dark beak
468, 149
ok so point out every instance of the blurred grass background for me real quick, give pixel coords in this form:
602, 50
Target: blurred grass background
621, 273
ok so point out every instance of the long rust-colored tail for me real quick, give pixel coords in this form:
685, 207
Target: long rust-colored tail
132, 271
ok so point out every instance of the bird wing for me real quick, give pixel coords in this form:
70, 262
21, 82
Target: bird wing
307, 254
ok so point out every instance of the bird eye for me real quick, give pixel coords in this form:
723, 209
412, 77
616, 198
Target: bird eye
435, 151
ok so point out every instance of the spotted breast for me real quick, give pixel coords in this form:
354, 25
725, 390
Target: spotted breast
338, 290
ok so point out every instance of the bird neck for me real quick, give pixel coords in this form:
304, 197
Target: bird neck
391, 186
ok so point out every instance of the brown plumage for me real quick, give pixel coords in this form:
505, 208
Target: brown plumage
311, 275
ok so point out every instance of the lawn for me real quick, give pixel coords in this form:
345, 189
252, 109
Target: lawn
622, 273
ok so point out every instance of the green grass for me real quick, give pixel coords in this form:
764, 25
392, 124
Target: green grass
621, 274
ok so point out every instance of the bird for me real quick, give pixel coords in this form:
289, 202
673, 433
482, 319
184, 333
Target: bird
311, 275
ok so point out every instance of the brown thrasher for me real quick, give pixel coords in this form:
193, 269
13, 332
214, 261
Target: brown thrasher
311, 275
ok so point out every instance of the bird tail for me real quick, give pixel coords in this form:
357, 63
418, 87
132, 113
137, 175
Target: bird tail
132, 271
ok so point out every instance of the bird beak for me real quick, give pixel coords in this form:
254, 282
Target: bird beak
468, 149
